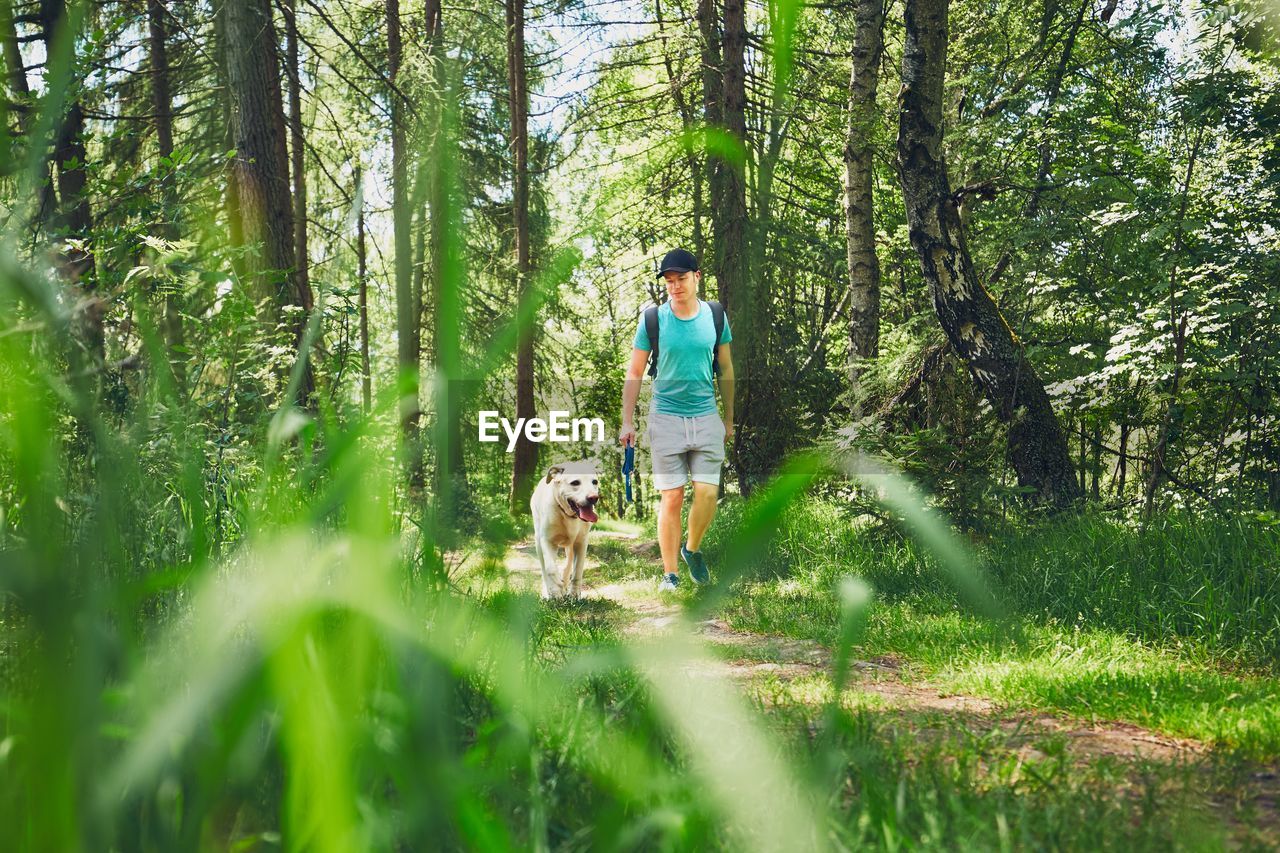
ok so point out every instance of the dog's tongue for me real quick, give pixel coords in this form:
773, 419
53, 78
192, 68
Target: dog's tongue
586, 513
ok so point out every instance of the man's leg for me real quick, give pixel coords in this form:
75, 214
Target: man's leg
669, 528
705, 462
700, 513
670, 475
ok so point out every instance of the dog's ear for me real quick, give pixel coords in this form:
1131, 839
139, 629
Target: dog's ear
553, 470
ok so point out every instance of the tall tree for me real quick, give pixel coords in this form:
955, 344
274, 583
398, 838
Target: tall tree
74, 218
450, 471
859, 152
362, 297
730, 223
297, 146
969, 316
231, 196
730, 211
260, 171
525, 458
14, 67
162, 110
408, 328
20, 92
298, 173
713, 115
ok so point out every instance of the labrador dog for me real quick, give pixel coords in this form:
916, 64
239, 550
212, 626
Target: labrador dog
563, 506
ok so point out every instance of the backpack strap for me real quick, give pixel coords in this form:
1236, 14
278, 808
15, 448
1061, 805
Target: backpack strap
651, 329
717, 317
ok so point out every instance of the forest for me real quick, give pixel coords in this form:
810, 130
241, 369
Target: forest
994, 542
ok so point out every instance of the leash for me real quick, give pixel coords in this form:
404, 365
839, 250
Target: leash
628, 465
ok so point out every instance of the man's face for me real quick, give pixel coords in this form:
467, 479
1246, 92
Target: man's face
682, 286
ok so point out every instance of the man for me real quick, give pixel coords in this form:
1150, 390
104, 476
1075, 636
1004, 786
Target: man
686, 434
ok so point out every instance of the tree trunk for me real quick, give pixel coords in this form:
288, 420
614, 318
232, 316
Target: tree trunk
16, 77
525, 459
74, 219
297, 155
162, 107
362, 285
713, 116
15, 72
260, 170
859, 164
967, 313
408, 330
730, 223
732, 202
1123, 462
231, 200
444, 271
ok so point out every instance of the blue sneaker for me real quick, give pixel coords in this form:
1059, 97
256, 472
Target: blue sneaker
669, 583
697, 565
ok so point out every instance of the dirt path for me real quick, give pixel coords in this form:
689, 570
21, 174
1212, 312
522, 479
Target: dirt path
765, 665
747, 656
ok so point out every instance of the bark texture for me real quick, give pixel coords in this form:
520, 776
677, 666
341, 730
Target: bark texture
297, 152
713, 116
967, 313
859, 153
162, 108
444, 273
731, 203
362, 296
408, 328
730, 221
260, 170
298, 173
74, 218
525, 457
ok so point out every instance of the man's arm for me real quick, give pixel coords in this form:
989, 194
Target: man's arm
726, 388
631, 393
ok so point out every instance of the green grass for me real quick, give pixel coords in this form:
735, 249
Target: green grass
931, 782
311, 682
1104, 620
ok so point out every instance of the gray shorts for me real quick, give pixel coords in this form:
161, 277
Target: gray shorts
684, 449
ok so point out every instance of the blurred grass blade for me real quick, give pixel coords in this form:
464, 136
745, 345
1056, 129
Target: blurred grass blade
784, 16
741, 767
896, 493
855, 604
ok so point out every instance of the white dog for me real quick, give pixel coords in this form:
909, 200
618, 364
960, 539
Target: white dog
563, 507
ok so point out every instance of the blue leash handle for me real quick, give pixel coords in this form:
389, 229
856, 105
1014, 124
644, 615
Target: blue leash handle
629, 465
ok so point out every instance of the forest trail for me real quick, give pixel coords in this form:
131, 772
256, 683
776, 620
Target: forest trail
764, 666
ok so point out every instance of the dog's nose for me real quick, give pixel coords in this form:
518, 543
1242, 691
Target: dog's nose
592, 498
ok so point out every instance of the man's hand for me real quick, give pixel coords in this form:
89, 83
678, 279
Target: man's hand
728, 431
627, 435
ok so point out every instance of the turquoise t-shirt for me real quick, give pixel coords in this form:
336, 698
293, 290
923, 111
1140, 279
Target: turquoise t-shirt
683, 385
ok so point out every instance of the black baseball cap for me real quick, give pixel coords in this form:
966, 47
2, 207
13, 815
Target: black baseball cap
677, 260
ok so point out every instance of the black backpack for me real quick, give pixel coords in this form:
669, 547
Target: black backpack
651, 329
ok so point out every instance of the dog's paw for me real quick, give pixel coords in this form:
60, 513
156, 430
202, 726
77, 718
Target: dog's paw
550, 592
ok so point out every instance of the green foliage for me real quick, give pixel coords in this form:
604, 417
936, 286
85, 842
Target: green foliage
1161, 627
226, 623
